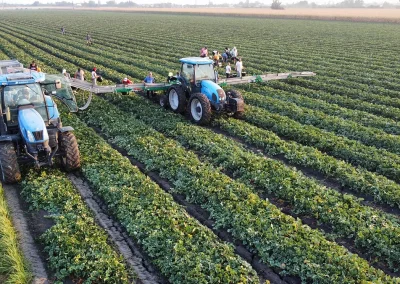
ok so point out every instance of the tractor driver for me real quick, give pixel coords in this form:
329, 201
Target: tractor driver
24, 97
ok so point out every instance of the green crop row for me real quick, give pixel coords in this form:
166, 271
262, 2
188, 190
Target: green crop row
76, 246
343, 212
385, 111
353, 152
280, 240
361, 117
13, 267
352, 130
357, 179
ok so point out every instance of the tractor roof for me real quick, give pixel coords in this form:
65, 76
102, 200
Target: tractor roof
24, 76
196, 60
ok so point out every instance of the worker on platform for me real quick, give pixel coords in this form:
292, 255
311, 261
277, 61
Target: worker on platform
239, 67
228, 70
149, 80
204, 52
126, 81
33, 66
80, 75
94, 76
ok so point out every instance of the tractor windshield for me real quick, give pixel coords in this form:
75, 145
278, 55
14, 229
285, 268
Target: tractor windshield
204, 72
62, 90
16, 95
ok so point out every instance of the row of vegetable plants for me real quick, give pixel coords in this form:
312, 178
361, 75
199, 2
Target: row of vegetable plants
379, 110
76, 247
351, 151
280, 240
362, 117
352, 130
190, 245
342, 212
357, 179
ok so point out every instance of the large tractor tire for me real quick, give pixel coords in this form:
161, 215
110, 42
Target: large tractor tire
176, 99
70, 158
199, 109
236, 95
8, 163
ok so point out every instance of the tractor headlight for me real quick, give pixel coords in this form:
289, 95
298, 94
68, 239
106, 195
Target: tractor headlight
30, 136
221, 95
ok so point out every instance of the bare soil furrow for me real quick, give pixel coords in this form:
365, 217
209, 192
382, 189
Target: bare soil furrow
27, 242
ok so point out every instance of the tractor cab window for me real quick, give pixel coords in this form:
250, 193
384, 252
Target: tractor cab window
188, 72
17, 95
205, 72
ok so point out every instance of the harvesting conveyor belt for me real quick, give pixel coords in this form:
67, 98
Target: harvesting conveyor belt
87, 86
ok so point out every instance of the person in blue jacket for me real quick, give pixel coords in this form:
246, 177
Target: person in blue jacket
149, 80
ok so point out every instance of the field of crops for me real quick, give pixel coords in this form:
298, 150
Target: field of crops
304, 188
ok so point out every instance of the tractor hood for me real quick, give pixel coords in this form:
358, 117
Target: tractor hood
213, 91
32, 126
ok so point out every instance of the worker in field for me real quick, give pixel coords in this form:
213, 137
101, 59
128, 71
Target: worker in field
88, 39
149, 80
234, 54
63, 30
239, 67
94, 76
80, 75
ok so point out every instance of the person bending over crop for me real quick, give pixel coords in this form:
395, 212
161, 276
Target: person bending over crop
126, 81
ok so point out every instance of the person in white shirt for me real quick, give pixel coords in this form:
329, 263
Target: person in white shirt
239, 67
228, 70
94, 76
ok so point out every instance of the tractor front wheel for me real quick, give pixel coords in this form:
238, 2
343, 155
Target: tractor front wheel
70, 159
8, 162
176, 99
199, 109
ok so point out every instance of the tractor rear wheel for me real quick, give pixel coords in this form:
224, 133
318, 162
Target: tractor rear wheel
8, 163
70, 159
236, 95
199, 109
164, 101
176, 99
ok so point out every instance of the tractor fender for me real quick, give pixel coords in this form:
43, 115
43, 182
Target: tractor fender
213, 91
66, 129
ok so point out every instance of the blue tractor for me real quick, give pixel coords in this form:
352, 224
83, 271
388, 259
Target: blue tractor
195, 89
30, 125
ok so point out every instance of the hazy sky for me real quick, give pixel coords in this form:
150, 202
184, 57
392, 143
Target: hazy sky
198, 2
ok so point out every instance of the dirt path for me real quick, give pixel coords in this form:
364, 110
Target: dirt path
26, 240
146, 273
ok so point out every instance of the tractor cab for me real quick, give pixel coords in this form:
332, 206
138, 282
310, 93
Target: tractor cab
30, 124
196, 69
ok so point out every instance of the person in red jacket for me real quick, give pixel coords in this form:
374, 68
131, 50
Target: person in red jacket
126, 81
